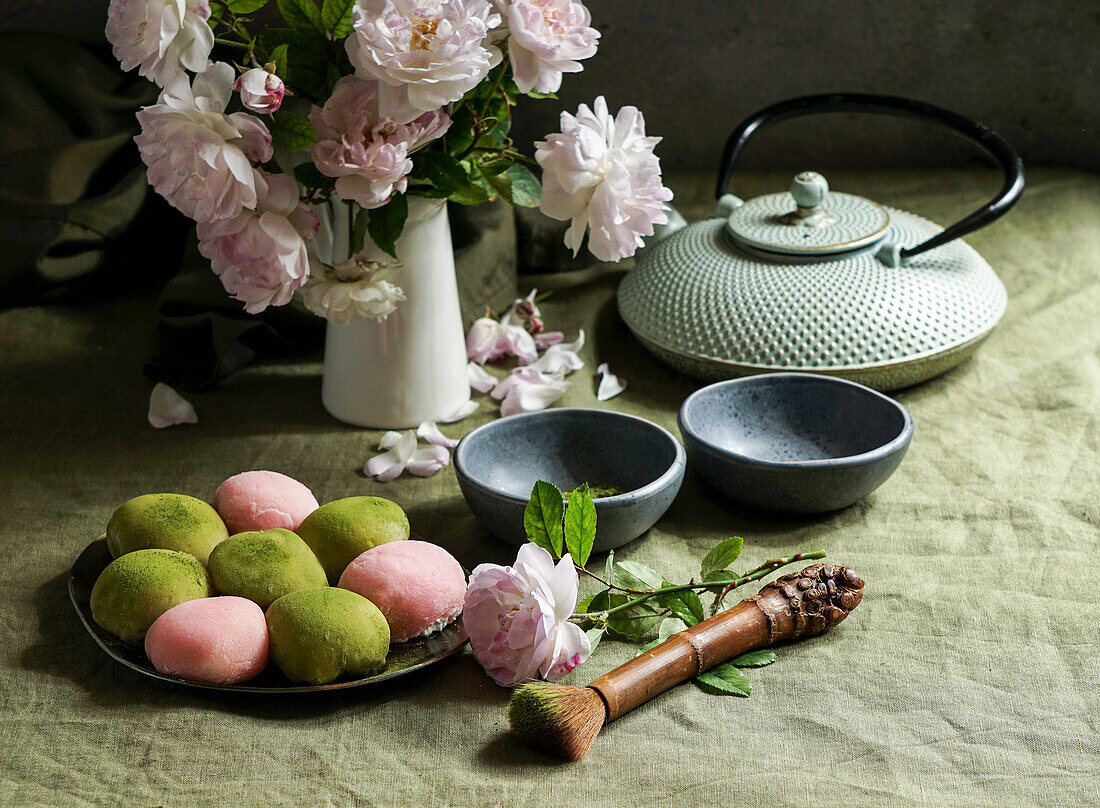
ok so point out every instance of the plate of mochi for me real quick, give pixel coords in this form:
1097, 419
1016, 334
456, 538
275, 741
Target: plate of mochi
265, 590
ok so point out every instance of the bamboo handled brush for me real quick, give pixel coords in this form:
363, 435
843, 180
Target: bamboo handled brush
564, 720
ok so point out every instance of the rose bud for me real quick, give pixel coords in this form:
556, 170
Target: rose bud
260, 91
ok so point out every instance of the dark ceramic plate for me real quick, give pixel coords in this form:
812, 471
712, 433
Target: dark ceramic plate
403, 658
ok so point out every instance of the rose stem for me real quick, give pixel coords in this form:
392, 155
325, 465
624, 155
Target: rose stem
764, 569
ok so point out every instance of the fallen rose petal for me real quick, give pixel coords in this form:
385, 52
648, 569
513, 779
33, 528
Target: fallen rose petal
527, 390
389, 465
429, 431
548, 338
561, 357
610, 384
520, 344
485, 341
389, 440
480, 379
462, 412
168, 408
427, 460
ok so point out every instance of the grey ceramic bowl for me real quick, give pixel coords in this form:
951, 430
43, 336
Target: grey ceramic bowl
497, 465
794, 441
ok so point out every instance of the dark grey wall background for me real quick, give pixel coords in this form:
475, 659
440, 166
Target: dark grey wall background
1030, 70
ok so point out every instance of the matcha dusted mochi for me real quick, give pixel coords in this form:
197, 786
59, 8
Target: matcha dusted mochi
166, 522
340, 530
264, 565
137, 588
318, 635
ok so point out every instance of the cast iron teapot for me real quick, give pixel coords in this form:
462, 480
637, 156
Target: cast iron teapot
818, 281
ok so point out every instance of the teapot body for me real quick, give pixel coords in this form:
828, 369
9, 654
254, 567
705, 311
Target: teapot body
713, 310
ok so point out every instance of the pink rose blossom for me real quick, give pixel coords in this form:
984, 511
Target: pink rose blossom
518, 618
198, 157
546, 38
260, 255
260, 91
160, 38
424, 53
367, 153
601, 173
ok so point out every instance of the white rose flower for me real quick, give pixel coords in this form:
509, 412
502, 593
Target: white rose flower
601, 174
546, 38
352, 290
160, 37
424, 53
198, 157
260, 255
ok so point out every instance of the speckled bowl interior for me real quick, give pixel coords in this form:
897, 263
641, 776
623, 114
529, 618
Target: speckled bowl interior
784, 418
498, 464
567, 448
794, 441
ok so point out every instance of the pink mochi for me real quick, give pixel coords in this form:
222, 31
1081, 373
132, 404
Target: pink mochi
219, 640
262, 500
418, 586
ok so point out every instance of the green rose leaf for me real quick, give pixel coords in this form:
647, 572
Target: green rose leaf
633, 575
336, 17
291, 131
244, 6
280, 57
442, 170
668, 627
302, 14
535, 94
526, 190
594, 636
580, 525
542, 518
754, 659
685, 605
308, 175
609, 567
387, 222
359, 230
718, 580
725, 680
633, 623
217, 11
722, 556
695, 606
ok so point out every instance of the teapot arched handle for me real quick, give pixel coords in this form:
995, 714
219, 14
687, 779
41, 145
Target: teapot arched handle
992, 143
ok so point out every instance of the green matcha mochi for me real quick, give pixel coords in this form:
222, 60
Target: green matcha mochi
165, 522
137, 588
264, 565
321, 634
339, 531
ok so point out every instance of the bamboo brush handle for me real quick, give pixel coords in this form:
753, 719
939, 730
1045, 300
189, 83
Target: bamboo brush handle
802, 604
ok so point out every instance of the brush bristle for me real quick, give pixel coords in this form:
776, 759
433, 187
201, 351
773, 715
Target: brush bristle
560, 720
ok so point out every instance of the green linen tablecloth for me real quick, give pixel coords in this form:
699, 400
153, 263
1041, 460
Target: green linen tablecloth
968, 677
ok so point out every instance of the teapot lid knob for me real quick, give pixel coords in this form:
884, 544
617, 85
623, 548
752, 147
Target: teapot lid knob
809, 190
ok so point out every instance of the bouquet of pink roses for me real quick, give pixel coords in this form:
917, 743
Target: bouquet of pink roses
368, 102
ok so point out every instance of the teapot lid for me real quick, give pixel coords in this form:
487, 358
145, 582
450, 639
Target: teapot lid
808, 221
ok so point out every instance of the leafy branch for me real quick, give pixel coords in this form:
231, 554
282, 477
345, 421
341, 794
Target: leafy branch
634, 600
